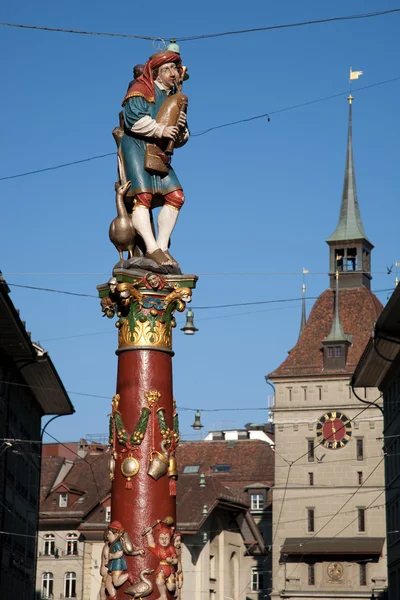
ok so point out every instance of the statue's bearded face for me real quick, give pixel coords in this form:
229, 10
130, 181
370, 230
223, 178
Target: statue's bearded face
168, 75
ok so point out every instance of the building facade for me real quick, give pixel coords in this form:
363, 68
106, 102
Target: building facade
30, 388
223, 511
379, 366
328, 519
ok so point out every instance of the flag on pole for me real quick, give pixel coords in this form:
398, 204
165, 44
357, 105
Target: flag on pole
305, 271
355, 74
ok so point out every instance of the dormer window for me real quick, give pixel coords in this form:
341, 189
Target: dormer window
63, 500
257, 501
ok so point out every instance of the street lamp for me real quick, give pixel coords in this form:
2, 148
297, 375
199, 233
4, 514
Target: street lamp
189, 328
197, 423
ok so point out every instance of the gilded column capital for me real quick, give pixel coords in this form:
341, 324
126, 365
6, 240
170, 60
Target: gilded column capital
145, 307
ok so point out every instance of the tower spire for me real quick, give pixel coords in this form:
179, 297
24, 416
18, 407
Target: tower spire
337, 343
303, 310
337, 333
350, 248
350, 225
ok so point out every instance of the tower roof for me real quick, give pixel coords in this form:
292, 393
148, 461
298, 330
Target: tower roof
359, 309
350, 225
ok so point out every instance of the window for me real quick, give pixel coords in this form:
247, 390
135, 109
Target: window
338, 351
213, 570
319, 393
351, 259
361, 519
191, 469
222, 468
290, 394
363, 574
311, 478
330, 352
339, 254
108, 514
256, 580
47, 585
72, 544
310, 444
49, 544
310, 520
63, 500
304, 393
257, 501
311, 574
70, 585
360, 449
360, 477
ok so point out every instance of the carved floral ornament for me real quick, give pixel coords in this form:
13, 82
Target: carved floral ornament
145, 316
159, 463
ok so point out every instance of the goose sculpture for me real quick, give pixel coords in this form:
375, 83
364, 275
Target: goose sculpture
122, 232
142, 588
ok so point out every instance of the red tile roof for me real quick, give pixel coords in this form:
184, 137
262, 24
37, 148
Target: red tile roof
359, 309
90, 474
191, 499
50, 468
251, 462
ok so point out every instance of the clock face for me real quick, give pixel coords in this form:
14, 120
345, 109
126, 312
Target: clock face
334, 430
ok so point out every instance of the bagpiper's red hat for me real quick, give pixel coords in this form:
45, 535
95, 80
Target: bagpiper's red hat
144, 85
116, 525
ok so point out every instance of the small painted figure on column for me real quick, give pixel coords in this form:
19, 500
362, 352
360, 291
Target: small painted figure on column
160, 544
113, 558
179, 573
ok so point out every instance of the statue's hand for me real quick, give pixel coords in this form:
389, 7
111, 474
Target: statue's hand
171, 132
182, 120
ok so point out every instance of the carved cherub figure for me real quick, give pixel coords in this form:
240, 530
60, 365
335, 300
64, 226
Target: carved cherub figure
165, 551
114, 559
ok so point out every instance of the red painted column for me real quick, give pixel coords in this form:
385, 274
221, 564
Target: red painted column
140, 371
142, 436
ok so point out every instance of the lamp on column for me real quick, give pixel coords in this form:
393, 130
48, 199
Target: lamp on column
189, 328
197, 423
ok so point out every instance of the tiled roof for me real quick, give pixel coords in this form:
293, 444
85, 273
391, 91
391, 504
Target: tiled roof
191, 499
251, 462
50, 469
90, 474
359, 309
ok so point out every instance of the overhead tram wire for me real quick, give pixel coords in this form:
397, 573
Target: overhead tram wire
205, 36
292, 107
210, 307
205, 131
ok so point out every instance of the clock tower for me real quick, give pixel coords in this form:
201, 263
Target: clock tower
328, 516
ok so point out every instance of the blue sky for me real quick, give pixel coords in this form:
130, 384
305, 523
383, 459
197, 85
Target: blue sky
261, 197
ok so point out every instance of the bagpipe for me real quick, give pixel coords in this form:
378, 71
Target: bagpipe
158, 155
